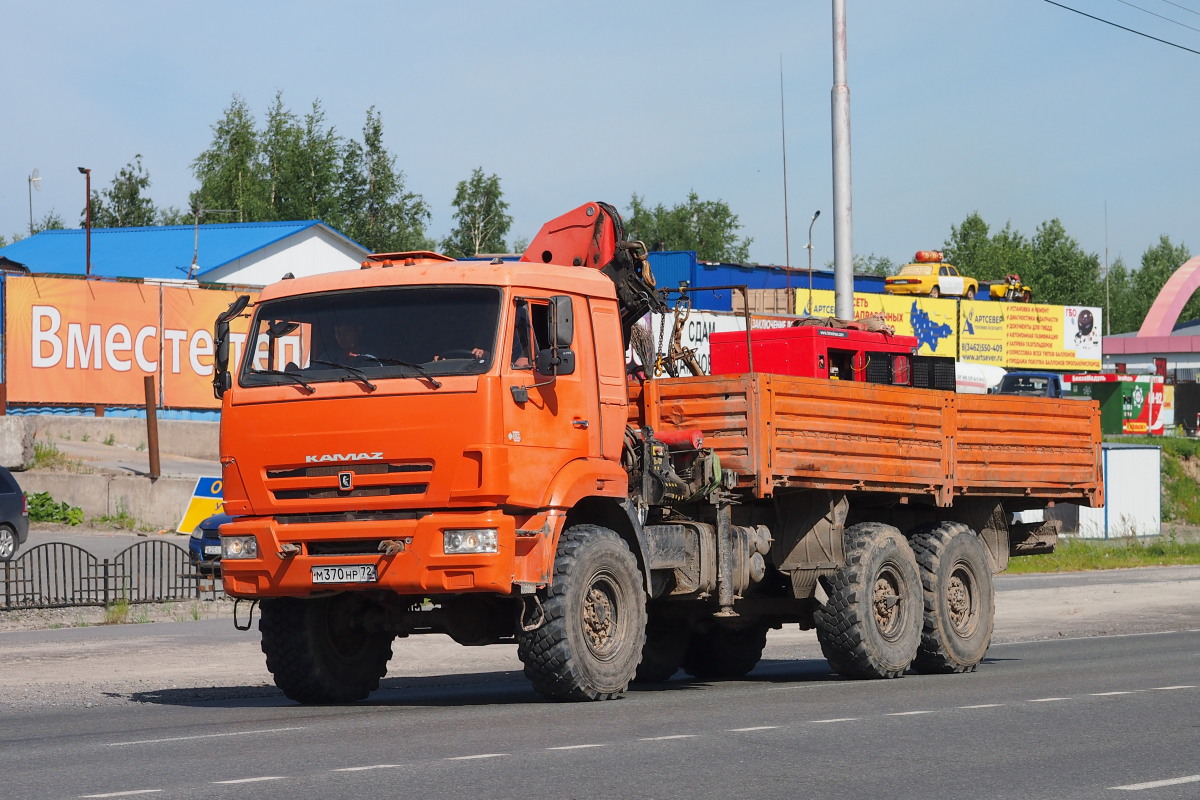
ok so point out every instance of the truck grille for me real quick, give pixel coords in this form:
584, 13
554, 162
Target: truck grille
369, 480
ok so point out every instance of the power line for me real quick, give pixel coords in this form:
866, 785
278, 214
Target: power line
1160, 16
1185, 8
1122, 27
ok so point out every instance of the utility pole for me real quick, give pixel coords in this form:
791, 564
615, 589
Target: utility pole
87, 174
843, 239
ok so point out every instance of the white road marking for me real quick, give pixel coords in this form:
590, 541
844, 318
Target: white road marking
835, 719
755, 728
1133, 787
907, 713
1049, 699
575, 746
129, 793
665, 738
364, 769
480, 755
202, 736
985, 705
259, 779
1169, 688
1108, 694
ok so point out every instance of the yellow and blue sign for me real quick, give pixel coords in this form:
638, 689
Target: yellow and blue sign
206, 501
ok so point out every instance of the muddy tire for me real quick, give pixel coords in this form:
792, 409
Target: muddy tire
317, 651
590, 644
871, 625
959, 599
666, 644
725, 653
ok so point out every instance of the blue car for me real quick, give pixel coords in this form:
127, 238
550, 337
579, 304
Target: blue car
205, 544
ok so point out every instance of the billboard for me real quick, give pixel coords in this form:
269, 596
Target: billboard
1030, 335
93, 342
933, 321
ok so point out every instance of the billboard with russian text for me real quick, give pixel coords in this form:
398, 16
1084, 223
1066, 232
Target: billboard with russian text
93, 342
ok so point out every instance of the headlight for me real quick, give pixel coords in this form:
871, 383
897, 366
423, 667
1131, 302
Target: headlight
239, 547
470, 540
197, 532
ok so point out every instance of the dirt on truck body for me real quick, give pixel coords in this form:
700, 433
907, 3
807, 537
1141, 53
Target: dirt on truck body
479, 462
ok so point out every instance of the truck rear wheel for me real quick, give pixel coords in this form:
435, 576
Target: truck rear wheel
590, 644
871, 625
725, 652
959, 598
318, 652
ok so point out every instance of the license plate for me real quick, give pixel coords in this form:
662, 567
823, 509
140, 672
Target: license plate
345, 573
212, 549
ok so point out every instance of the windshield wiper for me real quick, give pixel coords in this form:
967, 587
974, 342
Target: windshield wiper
355, 372
291, 375
434, 382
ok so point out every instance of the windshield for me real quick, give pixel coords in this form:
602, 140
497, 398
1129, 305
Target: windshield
397, 332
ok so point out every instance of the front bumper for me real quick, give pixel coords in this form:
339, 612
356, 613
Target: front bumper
415, 563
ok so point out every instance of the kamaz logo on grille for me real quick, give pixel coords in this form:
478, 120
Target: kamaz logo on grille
341, 457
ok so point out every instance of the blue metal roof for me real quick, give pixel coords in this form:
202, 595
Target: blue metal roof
151, 252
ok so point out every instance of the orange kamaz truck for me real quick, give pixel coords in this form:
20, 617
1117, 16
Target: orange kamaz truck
434, 446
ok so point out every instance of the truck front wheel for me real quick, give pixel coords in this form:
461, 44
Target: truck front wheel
590, 644
318, 652
959, 598
871, 625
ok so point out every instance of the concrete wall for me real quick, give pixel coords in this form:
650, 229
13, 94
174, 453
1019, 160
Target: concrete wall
16, 442
156, 505
190, 438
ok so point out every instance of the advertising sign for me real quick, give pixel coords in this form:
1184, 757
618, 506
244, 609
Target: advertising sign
1128, 403
85, 342
1030, 336
933, 322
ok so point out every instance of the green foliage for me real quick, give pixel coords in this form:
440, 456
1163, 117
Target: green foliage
375, 209
301, 168
707, 226
110, 440
46, 455
123, 204
480, 214
43, 508
1074, 554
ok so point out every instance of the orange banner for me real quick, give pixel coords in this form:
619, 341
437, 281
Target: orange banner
88, 342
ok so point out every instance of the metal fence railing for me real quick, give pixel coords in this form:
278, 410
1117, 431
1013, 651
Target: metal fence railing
57, 574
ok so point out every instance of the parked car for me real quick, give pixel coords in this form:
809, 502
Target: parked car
205, 544
14, 516
930, 276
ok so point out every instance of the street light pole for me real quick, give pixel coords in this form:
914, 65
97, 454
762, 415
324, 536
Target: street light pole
87, 174
808, 247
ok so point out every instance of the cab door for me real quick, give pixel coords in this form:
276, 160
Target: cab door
550, 417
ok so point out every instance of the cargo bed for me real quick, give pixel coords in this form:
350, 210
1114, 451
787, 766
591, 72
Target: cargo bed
782, 432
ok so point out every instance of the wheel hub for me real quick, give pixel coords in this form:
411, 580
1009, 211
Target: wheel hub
885, 600
960, 603
599, 619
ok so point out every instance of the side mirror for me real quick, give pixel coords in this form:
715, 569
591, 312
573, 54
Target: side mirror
221, 379
555, 361
561, 320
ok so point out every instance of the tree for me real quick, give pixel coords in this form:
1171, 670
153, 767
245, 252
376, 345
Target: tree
479, 210
1159, 263
123, 204
374, 209
1121, 315
1060, 272
708, 227
230, 172
984, 256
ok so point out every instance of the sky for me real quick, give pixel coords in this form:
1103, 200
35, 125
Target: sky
1019, 110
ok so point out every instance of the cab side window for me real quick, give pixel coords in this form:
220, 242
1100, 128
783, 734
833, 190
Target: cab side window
531, 331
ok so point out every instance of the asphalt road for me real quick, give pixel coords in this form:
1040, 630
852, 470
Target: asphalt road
1064, 718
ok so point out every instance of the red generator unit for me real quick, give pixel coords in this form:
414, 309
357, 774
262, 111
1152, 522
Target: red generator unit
812, 351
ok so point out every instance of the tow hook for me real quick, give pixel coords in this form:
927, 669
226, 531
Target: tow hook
236, 602
531, 616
